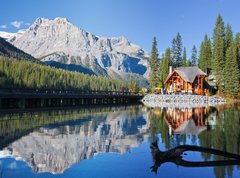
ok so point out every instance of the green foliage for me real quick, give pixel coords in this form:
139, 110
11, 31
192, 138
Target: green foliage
154, 64
237, 44
231, 72
205, 55
225, 135
26, 74
164, 67
194, 56
184, 59
177, 50
229, 37
213, 58
218, 62
130, 84
136, 86
188, 64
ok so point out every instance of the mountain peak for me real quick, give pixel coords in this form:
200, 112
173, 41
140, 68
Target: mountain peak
60, 41
41, 20
60, 19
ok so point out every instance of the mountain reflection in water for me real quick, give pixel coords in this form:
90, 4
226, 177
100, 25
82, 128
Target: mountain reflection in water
56, 147
54, 141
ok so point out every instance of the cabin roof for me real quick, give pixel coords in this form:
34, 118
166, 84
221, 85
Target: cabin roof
188, 73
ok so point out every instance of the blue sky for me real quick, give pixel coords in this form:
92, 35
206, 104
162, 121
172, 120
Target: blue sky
138, 20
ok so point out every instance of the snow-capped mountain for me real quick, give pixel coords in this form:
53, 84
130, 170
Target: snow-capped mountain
6, 35
58, 42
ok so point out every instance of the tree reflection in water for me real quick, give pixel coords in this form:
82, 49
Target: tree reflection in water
217, 128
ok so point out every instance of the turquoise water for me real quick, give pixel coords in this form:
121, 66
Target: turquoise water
116, 142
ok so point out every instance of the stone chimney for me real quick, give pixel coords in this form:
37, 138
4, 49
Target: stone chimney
170, 69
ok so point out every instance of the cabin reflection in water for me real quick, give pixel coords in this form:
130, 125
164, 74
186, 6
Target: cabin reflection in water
190, 121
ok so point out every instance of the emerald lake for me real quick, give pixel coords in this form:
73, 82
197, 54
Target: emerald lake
116, 142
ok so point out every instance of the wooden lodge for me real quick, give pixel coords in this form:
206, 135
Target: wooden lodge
186, 80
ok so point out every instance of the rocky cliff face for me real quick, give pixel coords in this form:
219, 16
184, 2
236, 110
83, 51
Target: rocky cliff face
54, 149
58, 41
10, 51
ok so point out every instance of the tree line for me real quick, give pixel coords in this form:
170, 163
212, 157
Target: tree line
219, 56
26, 74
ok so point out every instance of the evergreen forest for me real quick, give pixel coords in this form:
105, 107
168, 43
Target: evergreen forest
31, 75
219, 58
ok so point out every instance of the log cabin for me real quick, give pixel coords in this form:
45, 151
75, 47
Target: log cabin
186, 80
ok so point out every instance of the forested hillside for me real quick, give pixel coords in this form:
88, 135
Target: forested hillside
26, 74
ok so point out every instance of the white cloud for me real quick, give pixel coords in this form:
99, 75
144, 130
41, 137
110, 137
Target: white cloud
17, 24
3, 26
27, 24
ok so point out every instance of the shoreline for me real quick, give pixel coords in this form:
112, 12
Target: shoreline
181, 101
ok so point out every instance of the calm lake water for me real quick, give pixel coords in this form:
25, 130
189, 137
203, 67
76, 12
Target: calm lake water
115, 142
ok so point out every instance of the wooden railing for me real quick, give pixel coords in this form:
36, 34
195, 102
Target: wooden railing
64, 92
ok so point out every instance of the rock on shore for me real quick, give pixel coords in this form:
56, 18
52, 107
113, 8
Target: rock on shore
181, 101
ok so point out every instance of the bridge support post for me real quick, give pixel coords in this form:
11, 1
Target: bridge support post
21, 103
42, 103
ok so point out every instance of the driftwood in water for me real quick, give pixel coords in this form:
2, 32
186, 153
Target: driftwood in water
175, 156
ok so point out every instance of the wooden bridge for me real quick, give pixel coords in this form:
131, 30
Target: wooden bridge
35, 98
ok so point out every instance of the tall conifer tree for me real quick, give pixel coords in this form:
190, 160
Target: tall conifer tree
229, 37
205, 55
184, 58
194, 56
164, 67
231, 71
154, 64
202, 58
177, 50
237, 44
218, 62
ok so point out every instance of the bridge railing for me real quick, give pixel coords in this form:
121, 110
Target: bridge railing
64, 92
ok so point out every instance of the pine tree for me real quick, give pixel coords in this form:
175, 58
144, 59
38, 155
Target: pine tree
208, 51
184, 58
188, 64
231, 71
26, 74
161, 67
166, 63
218, 62
164, 67
177, 50
237, 44
202, 57
154, 64
229, 37
205, 55
194, 56
173, 51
